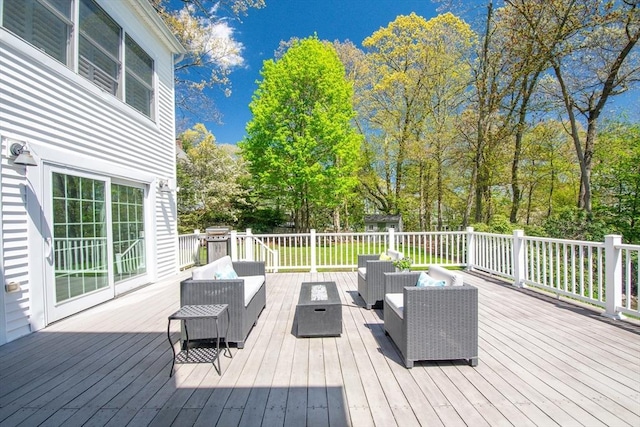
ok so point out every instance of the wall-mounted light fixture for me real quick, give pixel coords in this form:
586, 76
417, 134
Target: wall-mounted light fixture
23, 155
12, 287
163, 186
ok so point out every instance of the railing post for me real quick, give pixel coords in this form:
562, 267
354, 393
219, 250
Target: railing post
276, 261
248, 246
471, 248
233, 243
196, 247
519, 259
613, 276
314, 268
391, 244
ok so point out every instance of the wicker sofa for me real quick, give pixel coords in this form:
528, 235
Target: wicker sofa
431, 323
245, 295
371, 271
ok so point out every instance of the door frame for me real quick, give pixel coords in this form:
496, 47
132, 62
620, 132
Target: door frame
35, 193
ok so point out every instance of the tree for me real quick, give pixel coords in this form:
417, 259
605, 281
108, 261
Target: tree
549, 171
210, 181
203, 27
591, 46
493, 83
526, 64
394, 108
300, 145
616, 178
447, 48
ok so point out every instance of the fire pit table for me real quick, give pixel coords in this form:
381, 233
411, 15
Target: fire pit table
319, 310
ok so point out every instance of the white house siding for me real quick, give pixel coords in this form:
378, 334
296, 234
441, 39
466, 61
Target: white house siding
67, 120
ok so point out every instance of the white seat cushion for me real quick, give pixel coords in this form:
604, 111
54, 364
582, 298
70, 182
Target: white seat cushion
251, 286
396, 303
362, 271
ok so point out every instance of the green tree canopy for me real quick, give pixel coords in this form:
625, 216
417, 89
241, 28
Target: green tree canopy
300, 145
210, 179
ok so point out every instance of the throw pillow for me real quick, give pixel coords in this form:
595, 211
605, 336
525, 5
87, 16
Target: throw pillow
425, 280
384, 257
227, 272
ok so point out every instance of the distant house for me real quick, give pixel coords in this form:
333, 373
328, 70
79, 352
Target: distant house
87, 173
382, 222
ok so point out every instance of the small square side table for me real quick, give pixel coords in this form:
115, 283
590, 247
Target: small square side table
192, 312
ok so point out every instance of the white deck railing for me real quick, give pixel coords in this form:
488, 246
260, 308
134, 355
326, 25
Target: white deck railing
605, 274
188, 250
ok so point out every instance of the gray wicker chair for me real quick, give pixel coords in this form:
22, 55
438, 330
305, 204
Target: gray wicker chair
437, 323
231, 292
371, 284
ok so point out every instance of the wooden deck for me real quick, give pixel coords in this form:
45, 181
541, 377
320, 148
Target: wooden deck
542, 362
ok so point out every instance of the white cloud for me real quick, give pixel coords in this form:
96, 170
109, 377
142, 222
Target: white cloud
212, 38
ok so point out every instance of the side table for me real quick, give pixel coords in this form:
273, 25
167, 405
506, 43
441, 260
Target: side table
193, 312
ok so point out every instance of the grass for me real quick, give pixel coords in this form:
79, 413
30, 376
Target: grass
346, 255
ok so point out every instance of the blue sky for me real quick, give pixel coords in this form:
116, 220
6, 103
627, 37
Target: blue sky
261, 31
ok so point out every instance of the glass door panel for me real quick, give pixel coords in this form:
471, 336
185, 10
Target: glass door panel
79, 236
127, 204
78, 270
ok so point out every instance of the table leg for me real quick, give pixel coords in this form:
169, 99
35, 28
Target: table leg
173, 350
226, 335
218, 347
186, 332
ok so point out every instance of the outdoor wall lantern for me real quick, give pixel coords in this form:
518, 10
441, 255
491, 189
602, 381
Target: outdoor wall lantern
163, 185
23, 155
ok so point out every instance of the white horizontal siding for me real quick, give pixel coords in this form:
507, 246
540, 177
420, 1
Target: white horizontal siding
15, 267
48, 105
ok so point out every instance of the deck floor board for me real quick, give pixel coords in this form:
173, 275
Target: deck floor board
542, 362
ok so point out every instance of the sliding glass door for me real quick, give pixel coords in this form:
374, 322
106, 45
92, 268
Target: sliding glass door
95, 239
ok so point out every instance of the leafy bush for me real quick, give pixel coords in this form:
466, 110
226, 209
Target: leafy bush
575, 224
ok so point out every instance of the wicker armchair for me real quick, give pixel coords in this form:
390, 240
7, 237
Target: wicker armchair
243, 315
434, 323
371, 277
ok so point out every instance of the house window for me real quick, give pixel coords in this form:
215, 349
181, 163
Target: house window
46, 24
49, 26
99, 47
139, 77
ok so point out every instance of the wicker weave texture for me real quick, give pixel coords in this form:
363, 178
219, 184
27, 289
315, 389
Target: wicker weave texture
231, 292
371, 289
395, 282
439, 323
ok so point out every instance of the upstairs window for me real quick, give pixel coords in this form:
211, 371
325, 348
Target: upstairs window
106, 56
139, 77
46, 24
99, 47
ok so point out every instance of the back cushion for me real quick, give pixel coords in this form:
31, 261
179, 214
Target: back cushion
208, 272
441, 273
